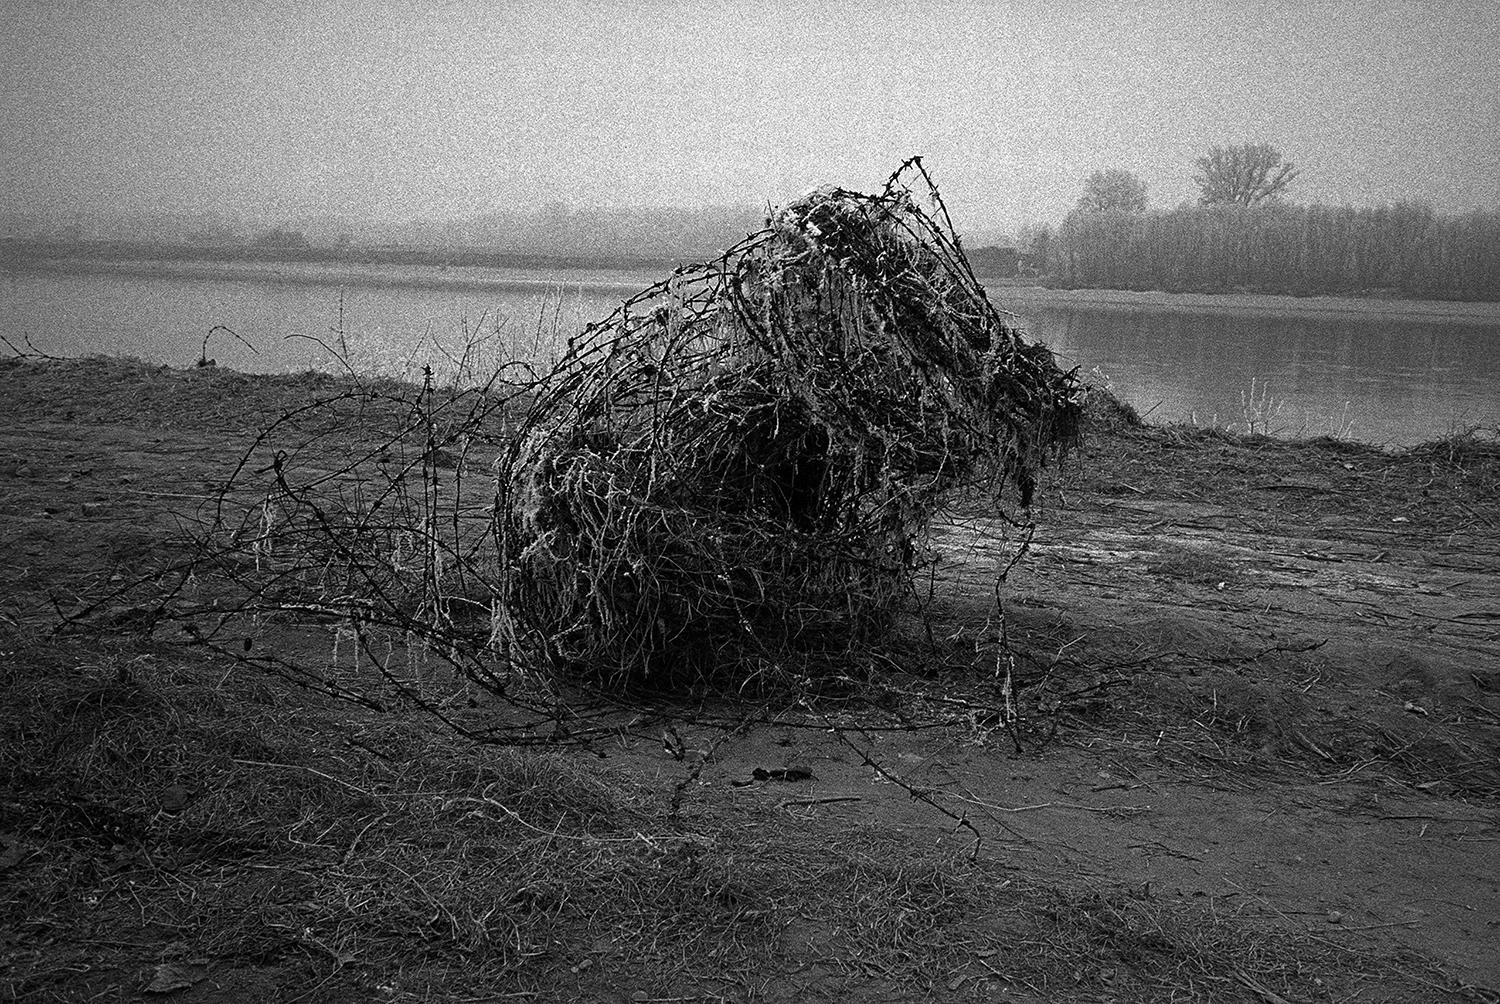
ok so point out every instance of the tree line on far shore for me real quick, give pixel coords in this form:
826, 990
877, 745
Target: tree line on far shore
1405, 249
1245, 236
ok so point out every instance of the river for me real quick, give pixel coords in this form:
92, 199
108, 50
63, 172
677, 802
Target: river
1391, 373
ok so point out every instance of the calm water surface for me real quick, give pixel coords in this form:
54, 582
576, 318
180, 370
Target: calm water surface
297, 316
1363, 377
1393, 383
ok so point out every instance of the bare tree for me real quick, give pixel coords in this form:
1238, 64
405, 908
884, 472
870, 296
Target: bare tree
1114, 189
1244, 175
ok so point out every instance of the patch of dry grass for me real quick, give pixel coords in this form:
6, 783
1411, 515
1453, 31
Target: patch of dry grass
250, 824
160, 813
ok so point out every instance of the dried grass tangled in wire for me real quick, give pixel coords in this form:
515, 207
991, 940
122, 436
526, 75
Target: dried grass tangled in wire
735, 468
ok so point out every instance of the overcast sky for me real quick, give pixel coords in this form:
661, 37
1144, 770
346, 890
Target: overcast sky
389, 110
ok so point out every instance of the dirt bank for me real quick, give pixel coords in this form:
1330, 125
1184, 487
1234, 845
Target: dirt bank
1256, 759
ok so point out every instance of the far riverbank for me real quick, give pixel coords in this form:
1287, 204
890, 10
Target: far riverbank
477, 270
1019, 298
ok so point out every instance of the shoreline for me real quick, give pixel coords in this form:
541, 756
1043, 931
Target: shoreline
628, 277
379, 275
1113, 406
1465, 312
1112, 415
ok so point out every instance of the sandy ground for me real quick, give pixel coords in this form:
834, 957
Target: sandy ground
1256, 678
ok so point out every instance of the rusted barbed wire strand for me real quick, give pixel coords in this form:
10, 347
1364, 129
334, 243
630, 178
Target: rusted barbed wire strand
729, 477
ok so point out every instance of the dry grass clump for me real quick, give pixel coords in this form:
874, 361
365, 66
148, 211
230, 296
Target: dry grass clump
736, 468
1475, 448
1104, 410
147, 800
1136, 947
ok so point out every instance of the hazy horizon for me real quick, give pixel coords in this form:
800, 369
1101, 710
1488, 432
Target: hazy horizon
383, 114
